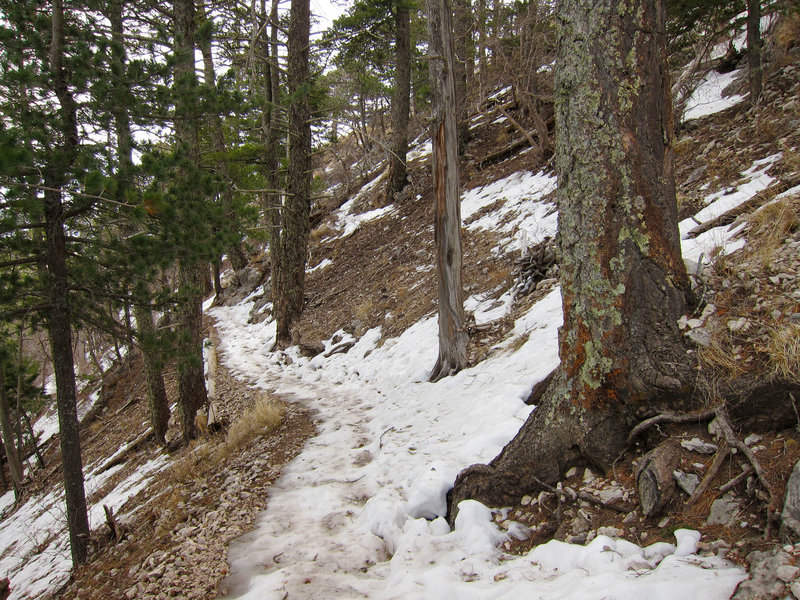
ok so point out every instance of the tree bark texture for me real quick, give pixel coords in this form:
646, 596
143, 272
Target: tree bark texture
7, 430
59, 314
297, 207
462, 55
156, 391
401, 101
623, 282
754, 49
447, 206
191, 272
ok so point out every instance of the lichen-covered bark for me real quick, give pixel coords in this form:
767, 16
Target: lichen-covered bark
447, 207
622, 278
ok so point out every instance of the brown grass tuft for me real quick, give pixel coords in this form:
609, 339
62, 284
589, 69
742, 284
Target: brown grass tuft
784, 352
263, 417
204, 455
770, 226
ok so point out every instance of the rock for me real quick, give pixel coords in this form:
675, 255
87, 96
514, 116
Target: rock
526, 500
723, 511
790, 517
612, 532
752, 439
698, 445
787, 573
611, 495
763, 582
688, 482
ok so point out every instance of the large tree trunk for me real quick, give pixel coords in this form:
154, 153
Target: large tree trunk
191, 272
294, 235
622, 279
754, 48
447, 206
401, 101
59, 315
7, 430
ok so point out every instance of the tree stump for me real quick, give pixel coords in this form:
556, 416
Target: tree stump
654, 479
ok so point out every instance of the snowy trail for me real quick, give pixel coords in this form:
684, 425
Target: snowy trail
356, 514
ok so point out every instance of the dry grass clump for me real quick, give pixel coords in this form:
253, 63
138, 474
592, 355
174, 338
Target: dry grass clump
205, 455
784, 352
770, 226
265, 416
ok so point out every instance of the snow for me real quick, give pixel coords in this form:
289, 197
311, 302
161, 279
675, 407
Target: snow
359, 512
34, 545
753, 181
707, 98
523, 214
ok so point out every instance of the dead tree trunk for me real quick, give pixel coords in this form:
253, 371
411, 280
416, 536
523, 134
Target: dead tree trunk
447, 207
622, 279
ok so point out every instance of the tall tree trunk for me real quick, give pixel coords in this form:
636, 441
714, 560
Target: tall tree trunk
294, 236
623, 282
236, 253
754, 49
59, 315
156, 391
447, 205
7, 430
401, 100
191, 272
271, 138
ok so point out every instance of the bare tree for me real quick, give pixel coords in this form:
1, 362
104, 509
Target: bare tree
447, 208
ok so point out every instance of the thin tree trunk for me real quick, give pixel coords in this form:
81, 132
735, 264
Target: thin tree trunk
14, 465
461, 56
59, 317
754, 49
401, 101
294, 237
236, 253
156, 391
623, 282
3, 480
447, 207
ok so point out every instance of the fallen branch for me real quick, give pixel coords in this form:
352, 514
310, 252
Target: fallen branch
712, 472
736, 480
733, 441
